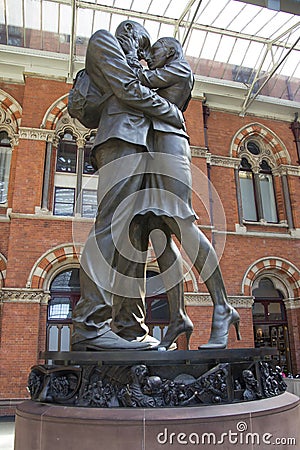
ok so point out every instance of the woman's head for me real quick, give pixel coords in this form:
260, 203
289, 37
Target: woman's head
163, 51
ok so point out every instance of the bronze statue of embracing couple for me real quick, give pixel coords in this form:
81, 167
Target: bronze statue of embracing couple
142, 155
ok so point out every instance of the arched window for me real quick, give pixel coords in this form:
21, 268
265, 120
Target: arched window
65, 292
74, 192
5, 158
66, 158
256, 185
270, 321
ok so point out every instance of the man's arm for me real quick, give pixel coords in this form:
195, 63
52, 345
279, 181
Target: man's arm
164, 77
104, 55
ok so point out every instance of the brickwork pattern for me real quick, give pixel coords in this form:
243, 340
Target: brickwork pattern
33, 247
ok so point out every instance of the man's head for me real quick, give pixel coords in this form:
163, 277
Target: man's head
140, 36
164, 50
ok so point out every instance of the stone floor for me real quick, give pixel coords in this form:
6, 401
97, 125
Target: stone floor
7, 431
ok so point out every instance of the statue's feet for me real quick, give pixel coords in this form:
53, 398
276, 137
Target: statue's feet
149, 339
182, 325
222, 321
110, 341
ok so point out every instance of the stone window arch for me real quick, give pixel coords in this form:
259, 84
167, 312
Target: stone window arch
10, 119
71, 190
3, 264
64, 294
256, 181
52, 262
261, 183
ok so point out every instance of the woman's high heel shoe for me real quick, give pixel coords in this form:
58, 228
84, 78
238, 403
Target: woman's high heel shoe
220, 329
176, 329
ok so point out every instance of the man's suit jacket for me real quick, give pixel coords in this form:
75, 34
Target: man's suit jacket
127, 113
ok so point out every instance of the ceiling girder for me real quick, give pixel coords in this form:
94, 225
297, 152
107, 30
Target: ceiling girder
183, 21
250, 98
170, 21
289, 6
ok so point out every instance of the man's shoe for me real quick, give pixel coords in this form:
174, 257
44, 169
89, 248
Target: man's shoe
109, 341
152, 341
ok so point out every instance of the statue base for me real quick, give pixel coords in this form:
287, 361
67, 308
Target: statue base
156, 379
256, 424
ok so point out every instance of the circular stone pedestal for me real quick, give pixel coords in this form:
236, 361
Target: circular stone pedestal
251, 425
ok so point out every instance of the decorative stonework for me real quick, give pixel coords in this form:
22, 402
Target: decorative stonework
199, 152
289, 170
23, 296
47, 263
3, 264
225, 161
272, 265
11, 111
54, 113
222, 161
277, 147
192, 299
36, 134
156, 379
295, 233
292, 303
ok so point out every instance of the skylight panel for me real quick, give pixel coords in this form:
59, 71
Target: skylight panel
207, 14
2, 17
236, 14
65, 19
289, 67
229, 13
116, 19
141, 6
275, 25
14, 13
153, 29
84, 22
50, 16
211, 46
259, 20
293, 24
101, 21
196, 40
176, 8
239, 52
166, 30
158, 7
253, 54
32, 13
241, 19
225, 48
123, 4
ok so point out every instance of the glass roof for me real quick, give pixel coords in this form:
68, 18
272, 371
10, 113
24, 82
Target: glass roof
232, 40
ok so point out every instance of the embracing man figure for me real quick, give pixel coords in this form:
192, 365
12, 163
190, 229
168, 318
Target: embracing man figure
119, 154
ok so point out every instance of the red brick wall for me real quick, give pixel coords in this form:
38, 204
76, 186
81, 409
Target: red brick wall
223, 126
19, 347
29, 176
39, 96
29, 240
26, 238
194, 123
